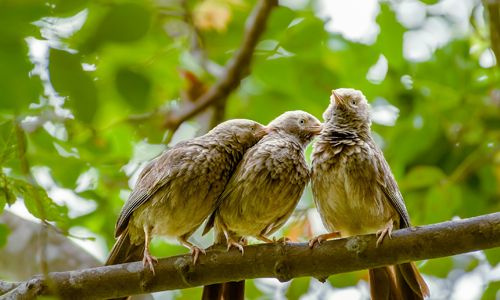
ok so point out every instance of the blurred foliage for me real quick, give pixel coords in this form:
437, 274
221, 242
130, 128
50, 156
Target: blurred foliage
88, 84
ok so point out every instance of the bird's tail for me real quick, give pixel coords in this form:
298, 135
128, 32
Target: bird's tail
124, 251
399, 282
226, 290
410, 283
383, 284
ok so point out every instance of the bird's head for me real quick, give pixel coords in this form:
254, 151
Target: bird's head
246, 132
298, 124
348, 110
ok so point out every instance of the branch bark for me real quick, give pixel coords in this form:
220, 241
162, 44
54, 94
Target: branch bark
235, 70
282, 261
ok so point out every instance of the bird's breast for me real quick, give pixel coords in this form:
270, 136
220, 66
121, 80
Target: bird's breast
346, 192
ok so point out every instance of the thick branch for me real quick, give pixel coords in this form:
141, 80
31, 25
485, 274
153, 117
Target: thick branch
273, 260
235, 70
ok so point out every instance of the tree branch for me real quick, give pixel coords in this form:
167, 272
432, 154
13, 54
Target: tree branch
271, 260
235, 70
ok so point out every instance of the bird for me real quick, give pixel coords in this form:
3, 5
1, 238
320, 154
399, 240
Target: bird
177, 191
263, 190
356, 193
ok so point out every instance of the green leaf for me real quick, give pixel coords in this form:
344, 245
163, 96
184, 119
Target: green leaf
4, 233
7, 193
278, 22
31, 195
64, 7
306, 36
297, 288
439, 267
18, 89
134, 88
390, 39
442, 203
423, 176
429, 2
125, 22
493, 256
3, 200
251, 291
69, 79
7, 141
491, 291
348, 279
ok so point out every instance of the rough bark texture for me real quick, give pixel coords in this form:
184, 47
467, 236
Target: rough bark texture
270, 260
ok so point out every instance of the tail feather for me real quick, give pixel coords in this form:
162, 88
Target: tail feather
410, 283
124, 251
226, 290
212, 292
383, 284
234, 290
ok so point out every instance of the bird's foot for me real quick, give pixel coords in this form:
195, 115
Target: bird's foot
232, 243
149, 259
195, 251
283, 240
323, 237
387, 230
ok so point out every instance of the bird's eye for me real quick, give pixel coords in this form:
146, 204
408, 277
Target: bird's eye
301, 121
252, 128
353, 102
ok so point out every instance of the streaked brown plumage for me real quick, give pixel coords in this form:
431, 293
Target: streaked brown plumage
265, 187
356, 193
178, 190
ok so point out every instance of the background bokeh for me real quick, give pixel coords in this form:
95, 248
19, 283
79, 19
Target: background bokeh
85, 87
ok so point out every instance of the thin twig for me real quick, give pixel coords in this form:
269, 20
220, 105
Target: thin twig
42, 238
235, 70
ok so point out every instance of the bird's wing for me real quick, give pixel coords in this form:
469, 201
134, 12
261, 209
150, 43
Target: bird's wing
264, 178
234, 181
155, 175
390, 187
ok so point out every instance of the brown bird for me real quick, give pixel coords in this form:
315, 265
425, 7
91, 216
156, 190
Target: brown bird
264, 189
356, 193
178, 190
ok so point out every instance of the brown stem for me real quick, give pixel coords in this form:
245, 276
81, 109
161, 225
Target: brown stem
235, 70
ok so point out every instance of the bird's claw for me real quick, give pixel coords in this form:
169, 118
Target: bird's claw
149, 259
195, 251
382, 232
313, 240
237, 245
323, 237
283, 240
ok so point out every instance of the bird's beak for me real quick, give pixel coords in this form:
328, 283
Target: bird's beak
263, 131
316, 129
337, 98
